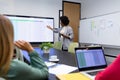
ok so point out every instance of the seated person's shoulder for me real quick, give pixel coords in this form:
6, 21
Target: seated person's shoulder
18, 65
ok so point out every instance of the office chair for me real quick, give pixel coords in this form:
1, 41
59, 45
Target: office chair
72, 46
57, 45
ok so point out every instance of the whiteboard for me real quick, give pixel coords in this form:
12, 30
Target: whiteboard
101, 30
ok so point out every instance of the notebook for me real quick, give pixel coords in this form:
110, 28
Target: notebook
90, 60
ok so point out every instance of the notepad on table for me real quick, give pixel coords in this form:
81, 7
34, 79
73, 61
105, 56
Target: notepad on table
73, 76
61, 69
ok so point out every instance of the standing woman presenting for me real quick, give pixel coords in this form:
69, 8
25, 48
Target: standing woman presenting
66, 32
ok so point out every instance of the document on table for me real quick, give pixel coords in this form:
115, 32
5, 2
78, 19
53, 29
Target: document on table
72, 76
50, 64
61, 69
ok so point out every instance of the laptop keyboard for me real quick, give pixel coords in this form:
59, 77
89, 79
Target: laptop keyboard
93, 73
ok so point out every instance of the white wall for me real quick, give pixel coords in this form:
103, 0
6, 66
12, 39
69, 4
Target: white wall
91, 8
40, 8
50, 8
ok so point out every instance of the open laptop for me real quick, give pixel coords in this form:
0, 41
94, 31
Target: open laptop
90, 60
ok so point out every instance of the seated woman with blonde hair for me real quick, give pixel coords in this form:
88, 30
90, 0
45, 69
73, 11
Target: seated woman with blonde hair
13, 69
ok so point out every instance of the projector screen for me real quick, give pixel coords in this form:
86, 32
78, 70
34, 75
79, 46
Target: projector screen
32, 29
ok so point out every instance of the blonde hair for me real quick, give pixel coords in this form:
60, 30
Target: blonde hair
6, 44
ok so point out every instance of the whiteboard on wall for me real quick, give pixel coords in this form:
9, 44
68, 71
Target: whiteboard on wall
101, 30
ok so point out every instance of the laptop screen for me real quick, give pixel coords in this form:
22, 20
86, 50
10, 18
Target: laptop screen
90, 58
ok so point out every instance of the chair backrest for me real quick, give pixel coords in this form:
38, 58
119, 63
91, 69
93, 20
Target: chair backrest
19, 55
57, 45
72, 46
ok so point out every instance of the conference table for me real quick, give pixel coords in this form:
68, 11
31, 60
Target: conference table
64, 58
